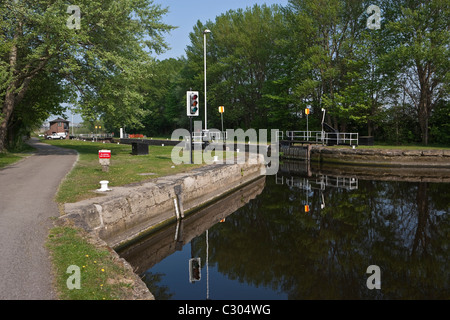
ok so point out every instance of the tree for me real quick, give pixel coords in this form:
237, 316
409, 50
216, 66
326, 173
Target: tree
422, 54
165, 100
329, 60
244, 64
103, 57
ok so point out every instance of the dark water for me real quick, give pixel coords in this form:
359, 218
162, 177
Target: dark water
273, 247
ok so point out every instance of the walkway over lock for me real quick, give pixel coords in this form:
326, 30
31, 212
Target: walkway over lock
318, 137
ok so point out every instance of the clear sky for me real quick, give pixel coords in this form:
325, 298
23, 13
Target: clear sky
185, 13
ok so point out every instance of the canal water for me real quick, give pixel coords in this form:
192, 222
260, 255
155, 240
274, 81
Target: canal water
309, 233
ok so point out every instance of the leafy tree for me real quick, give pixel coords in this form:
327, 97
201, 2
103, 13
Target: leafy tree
165, 100
421, 54
104, 58
243, 59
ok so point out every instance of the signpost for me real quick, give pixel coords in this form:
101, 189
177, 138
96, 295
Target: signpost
192, 104
221, 111
307, 112
104, 157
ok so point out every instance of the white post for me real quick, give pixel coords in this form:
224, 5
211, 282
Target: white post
204, 54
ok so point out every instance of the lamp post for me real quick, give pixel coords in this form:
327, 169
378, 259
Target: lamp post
204, 48
323, 120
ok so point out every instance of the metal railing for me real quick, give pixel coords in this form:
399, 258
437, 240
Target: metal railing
94, 136
323, 137
213, 136
320, 183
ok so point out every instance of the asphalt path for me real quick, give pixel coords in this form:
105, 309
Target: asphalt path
27, 206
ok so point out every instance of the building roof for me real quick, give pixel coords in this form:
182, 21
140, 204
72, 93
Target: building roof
59, 120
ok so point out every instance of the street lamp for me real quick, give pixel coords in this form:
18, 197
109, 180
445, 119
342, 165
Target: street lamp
204, 48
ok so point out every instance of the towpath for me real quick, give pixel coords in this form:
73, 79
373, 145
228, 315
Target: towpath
27, 191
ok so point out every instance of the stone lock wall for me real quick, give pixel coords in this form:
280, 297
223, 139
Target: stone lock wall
129, 212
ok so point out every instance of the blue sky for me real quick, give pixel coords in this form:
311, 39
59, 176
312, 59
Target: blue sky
185, 13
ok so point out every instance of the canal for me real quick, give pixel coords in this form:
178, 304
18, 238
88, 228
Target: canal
308, 233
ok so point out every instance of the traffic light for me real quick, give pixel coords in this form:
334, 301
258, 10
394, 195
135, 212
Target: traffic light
193, 106
194, 270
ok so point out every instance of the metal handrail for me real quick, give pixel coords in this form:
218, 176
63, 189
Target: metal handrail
323, 137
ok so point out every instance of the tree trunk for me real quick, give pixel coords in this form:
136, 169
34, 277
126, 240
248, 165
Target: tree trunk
8, 107
8, 104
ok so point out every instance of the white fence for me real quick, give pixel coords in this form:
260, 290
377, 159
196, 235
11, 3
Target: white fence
322, 137
93, 136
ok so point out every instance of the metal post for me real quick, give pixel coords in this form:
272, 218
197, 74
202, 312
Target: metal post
323, 132
204, 54
223, 135
307, 127
190, 138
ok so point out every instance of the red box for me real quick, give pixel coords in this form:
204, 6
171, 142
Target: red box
104, 154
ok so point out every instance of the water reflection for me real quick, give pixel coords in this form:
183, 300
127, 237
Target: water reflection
272, 248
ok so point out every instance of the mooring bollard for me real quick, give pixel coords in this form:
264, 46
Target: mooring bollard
104, 186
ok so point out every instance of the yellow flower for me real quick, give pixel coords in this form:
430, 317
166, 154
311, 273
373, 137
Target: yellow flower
103, 270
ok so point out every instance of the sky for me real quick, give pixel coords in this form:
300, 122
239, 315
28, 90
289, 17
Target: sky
185, 13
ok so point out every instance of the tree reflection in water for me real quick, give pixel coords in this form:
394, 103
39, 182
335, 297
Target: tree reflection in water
403, 227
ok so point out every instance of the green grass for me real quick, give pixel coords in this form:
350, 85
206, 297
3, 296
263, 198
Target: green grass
124, 169
8, 158
101, 278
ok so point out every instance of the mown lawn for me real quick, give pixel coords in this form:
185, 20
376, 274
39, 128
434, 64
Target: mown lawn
125, 168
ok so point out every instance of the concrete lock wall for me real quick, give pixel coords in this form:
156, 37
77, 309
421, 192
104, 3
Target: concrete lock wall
381, 157
126, 213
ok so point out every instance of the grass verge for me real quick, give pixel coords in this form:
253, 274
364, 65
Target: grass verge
100, 276
124, 169
8, 158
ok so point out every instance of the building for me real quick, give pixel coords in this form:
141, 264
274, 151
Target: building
59, 126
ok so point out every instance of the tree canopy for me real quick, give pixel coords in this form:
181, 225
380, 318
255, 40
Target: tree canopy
95, 54
266, 64
382, 73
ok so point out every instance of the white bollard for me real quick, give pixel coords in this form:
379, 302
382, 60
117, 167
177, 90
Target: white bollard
104, 186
